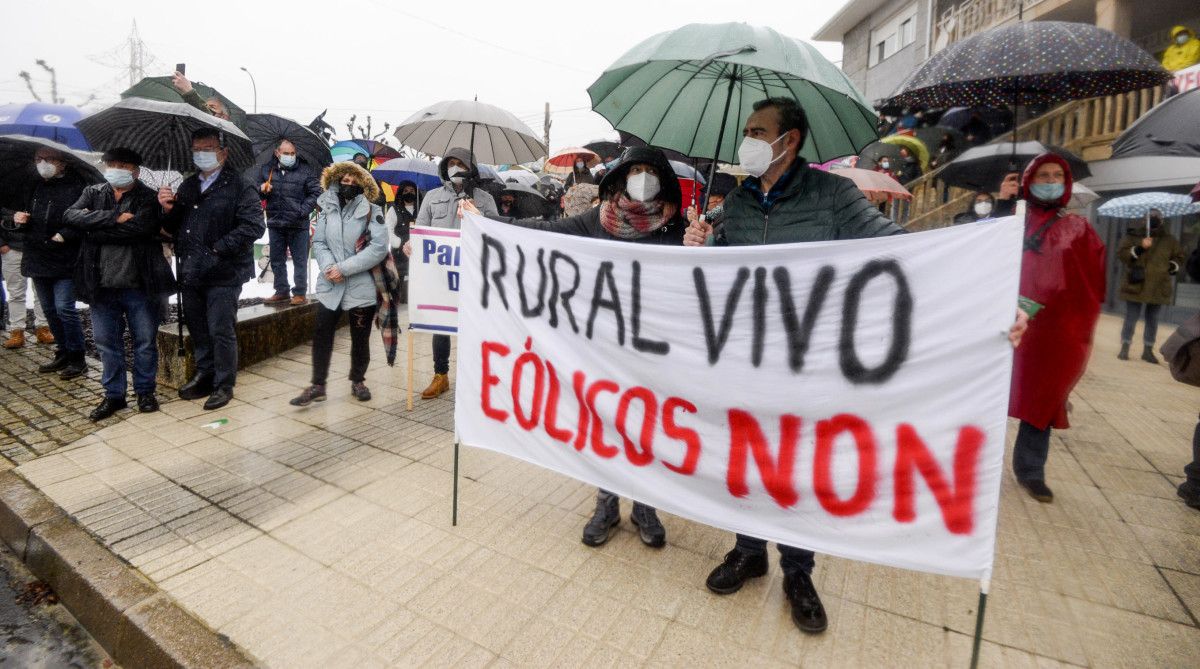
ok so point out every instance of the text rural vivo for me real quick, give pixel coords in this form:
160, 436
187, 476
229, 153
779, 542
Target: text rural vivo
848, 397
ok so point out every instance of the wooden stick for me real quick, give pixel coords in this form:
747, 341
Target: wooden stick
410, 369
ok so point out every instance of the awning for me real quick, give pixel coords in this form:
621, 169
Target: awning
1143, 173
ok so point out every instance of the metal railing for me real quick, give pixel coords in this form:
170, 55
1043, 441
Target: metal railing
974, 16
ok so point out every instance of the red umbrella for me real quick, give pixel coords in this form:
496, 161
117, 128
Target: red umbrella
872, 182
563, 160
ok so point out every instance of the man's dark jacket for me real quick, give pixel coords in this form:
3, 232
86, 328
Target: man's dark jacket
43, 258
224, 221
293, 196
94, 216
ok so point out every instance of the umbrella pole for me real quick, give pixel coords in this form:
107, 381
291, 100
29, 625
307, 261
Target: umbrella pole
712, 169
178, 279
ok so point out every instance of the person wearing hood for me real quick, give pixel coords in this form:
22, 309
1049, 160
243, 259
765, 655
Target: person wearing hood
1184, 50
580, 174
123, 275
289, 186
439, 209
982, 208
640, 202
51, 251
1063, 277
345, 284
400, 217
1150, 258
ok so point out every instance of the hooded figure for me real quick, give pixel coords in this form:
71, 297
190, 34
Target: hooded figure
983, 207
1150, 257
1063, 270
440, 207
346, 284
1184, 50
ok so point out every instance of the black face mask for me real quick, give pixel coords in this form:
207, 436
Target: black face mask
408, 198
347, 193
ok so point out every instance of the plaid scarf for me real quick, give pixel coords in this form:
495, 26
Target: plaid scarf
387, 296
624, 218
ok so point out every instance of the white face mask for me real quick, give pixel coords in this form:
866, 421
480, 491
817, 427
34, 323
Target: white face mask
456, 174
118, 178
287, 161
983, 208
1181, 39
756, 156
205, 161
643, 186
46, 169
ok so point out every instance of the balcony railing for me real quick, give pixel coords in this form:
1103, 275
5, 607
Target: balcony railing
1084, 127
974, 16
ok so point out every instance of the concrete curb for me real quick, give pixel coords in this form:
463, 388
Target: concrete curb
136, 622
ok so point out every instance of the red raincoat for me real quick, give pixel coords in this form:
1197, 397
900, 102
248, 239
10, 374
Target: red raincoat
1067, 277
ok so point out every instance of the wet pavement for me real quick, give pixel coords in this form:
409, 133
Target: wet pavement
37, 632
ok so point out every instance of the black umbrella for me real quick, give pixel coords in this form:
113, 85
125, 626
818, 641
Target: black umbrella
1170, 129
984, 167
161, 88
607, 150
874, 152
1029, 63
161, 132
266, 131
16, 164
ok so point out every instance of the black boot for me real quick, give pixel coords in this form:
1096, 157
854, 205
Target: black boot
57, 364
1148, 355
76, 366
807, 611
604, 521
650, 530
1124, 354
738, 567
199, 386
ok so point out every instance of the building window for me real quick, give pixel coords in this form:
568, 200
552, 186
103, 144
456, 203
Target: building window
893, 35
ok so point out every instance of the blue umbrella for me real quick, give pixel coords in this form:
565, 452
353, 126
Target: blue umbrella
38, 119
424, 173
1140, 204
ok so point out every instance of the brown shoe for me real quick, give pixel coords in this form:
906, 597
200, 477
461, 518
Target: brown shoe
16, 339
43, 335
276, 300
298, 301
439, 385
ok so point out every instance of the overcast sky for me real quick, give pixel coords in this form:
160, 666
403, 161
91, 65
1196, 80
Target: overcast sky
386, 59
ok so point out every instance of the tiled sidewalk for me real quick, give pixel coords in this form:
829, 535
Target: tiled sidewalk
321, 537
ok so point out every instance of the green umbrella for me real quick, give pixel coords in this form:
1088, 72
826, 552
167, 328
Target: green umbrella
160, 88
691, 90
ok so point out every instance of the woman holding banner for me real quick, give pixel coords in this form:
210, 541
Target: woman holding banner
1062, 281
639, 202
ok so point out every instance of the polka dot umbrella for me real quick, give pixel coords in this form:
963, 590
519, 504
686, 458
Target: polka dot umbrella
1030, 63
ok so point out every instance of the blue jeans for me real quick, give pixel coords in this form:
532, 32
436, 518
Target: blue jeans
58, 302
791, 559
110, 310
210, 314
295, 240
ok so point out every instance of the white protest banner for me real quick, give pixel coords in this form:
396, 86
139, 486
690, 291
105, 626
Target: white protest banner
1187, 78
846, 397
433, 275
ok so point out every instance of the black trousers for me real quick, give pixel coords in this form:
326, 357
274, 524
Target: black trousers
1031, 452
441, 354
361, 320
1192, 469
210, 314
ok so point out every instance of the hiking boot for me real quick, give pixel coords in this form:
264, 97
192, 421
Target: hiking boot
313, 393
1038, 490
276, 300
439, 385
650, 530
1148, 355
807, 611
76, 366
147, 402
1124, 354
57, 364
44, 336
108, 407
604, 521
732, 574
360, 391
16, 339
298, 301
1190, 494
199, 386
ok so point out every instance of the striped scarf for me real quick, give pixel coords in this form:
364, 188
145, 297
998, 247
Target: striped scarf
387, 296
625, 218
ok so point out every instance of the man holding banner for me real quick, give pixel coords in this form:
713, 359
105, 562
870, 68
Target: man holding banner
801, 205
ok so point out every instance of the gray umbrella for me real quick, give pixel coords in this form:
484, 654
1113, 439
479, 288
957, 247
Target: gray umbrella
161, 132
1170, 129
16, 163
492, 134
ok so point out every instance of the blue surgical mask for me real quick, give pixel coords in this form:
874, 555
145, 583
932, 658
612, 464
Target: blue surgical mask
287, 161
205, 161
118, 178
1047, 192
